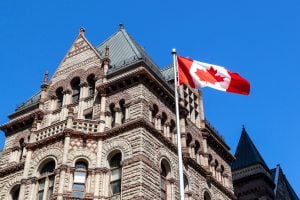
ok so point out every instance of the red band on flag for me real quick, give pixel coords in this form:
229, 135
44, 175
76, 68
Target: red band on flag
184, 65
238, 84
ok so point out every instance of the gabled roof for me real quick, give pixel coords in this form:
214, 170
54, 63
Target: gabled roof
124, 50
247, 154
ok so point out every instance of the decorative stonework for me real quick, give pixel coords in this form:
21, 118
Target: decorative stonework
42, 154
84, 154
8, 185
115, 144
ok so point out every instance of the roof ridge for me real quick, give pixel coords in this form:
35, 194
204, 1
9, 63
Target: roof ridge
129, 40
166, 68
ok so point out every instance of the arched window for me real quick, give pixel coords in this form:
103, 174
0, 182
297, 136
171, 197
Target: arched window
185, 183
22, 145
80, 176
91, 83
154, 112
188, 140
197, 146
113, 114
116, 173
123, 110
172, 126
75, 85
60, 97
164, 118
206, 196
164, 173
14, 193
46, 180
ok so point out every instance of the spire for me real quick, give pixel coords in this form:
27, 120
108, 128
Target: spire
45, 83
106, 59
246, 153
46, 77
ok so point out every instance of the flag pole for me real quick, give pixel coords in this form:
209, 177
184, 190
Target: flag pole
180, 163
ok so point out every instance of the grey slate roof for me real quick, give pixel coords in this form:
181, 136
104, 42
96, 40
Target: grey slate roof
124, 50
247, 154
34, 100
168, 72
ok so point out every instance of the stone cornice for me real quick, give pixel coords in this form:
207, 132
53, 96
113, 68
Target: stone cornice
206, 174
11, 169
23, 118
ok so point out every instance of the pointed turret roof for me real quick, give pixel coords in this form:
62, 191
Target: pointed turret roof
124, 50
247, 154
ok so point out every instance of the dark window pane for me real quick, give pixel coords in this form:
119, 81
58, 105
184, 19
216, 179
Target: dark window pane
77, 194
78, 187
116, 187
41, 193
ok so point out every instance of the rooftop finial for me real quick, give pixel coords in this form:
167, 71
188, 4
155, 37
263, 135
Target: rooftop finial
46, 77
243, 129
82, 30
106, 59
121, 26
106, 52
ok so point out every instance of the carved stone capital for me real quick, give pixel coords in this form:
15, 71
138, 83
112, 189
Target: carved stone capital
117, 109
83, 84
67, 91
172, 180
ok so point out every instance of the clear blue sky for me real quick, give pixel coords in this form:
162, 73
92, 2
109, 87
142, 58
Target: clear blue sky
258, 39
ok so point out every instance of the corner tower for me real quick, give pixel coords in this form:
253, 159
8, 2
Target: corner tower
251, 176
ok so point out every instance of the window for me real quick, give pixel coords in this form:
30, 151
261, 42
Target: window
80, 176
91, 83
123, 110
60, 96
46, 181
154, 112
75, 85
14, 193
22, 145
116, 173
164, 173
185, 183
206, 196
113, 114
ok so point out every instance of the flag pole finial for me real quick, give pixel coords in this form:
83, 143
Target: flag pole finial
173, 51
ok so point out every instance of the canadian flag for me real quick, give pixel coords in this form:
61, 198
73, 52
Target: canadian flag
198, 74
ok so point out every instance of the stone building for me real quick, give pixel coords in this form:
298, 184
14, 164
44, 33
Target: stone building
252, 179
103, 127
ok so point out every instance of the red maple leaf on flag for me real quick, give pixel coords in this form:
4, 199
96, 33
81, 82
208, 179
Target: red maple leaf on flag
209, 76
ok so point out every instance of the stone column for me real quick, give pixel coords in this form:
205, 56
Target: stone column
127, 112
192, 150
71, 174
64, 162
66, 102
150, 115
83, 94
158, 122
167, 131
52, 107
33, 188
98, 171
102, 113
108, 120
204, 145
88, 183
118, 120
26, 165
